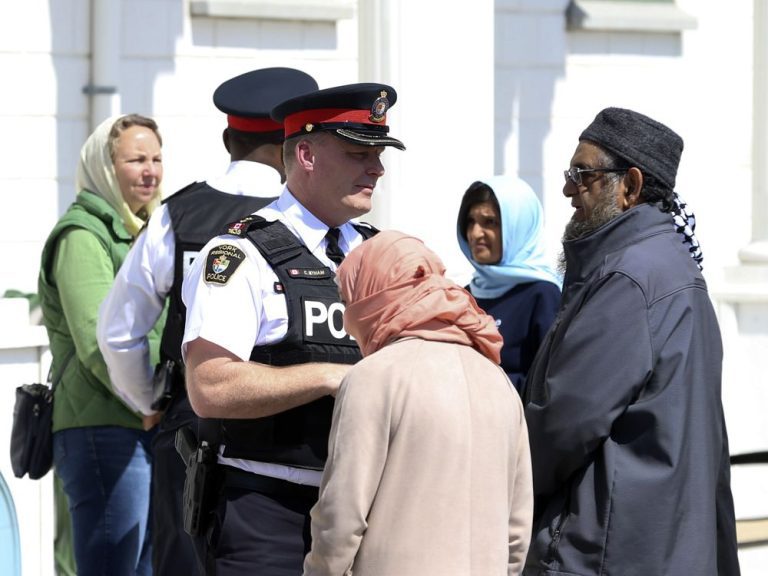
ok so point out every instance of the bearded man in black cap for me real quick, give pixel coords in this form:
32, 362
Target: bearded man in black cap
264, 343
628, 439
152, 273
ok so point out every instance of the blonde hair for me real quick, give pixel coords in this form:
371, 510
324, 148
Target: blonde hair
128, 121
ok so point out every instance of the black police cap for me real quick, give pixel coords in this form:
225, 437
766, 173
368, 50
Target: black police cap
355, 112
248, 99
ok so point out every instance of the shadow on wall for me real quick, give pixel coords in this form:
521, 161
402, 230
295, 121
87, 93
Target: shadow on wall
530, 57
625, 44
621, 40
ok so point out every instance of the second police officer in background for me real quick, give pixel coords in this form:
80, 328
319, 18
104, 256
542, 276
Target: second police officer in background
154, 269
264, 343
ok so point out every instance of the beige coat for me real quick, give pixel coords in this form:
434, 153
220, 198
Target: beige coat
428, 470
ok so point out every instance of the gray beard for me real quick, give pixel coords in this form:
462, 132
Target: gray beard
604, 211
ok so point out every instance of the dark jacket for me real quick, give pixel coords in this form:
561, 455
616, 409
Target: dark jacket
523, 315
628, 441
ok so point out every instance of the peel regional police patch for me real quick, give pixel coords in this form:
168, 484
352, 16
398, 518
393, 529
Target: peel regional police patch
221, 263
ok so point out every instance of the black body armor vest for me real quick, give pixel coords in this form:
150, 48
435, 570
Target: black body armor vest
296, 437
198, 213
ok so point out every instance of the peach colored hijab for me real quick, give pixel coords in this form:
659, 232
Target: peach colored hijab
394, 287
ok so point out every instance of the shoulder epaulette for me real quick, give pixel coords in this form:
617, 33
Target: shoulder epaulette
240, 227
365, 229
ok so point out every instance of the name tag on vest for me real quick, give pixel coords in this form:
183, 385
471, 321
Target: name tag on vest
309, 272
323, 322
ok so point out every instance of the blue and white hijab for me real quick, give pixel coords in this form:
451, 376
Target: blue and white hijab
523, 257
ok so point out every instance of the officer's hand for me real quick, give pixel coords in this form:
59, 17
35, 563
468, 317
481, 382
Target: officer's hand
336, 373
149, 422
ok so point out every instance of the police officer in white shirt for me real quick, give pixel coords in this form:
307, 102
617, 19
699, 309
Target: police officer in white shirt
153, 271
264, 342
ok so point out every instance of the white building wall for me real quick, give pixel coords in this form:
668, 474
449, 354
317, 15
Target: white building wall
441, 64
531, 54
551, 82
39, 121
698, 82
170, 64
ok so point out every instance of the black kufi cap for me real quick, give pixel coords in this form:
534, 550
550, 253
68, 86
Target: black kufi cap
639, 140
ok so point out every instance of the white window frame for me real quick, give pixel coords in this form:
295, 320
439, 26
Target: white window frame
634, 16
312, 10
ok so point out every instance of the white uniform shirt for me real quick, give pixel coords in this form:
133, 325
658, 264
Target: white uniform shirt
246, 311
143, 282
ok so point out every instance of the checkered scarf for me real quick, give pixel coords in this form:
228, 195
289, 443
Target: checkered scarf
685, 224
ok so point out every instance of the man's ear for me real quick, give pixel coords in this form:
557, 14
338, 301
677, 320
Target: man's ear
633, 182
305, 155
225, 139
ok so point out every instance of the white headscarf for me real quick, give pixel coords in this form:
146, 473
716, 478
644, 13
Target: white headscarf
96, 173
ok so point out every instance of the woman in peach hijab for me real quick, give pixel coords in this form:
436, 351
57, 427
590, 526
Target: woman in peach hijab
428, 469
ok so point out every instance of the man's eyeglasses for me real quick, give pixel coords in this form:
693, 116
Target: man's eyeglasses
574, 174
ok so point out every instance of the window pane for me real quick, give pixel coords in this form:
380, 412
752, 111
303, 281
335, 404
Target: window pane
648, 1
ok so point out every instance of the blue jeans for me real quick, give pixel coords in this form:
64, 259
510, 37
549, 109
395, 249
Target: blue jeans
106, 473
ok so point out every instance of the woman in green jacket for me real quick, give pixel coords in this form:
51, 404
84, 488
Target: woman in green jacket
101, 449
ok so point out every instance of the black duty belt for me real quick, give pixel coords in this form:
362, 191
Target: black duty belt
236, 478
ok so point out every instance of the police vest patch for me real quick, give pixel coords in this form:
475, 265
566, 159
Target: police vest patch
323, 322
221, 263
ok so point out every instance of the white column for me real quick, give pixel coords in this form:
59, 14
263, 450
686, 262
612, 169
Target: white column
742, 306
440, 58
378, 52
757, 251
105, 60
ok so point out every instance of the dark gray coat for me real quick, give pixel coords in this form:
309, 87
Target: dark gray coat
628, 440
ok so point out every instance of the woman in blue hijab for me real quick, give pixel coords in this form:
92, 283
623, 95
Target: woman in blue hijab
500, 231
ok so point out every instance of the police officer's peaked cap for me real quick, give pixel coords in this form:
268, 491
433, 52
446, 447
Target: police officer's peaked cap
249, 98
355, 112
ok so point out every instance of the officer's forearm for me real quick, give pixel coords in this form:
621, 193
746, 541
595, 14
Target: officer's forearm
221, 385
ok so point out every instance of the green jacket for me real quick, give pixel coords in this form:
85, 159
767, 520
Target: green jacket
80, 259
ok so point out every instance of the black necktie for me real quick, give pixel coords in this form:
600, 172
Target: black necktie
332, 249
